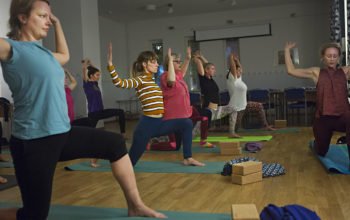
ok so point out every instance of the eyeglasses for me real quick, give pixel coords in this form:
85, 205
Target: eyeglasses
177, 61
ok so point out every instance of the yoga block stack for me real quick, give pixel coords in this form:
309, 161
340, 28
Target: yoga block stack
247, 172
230, 148
245, 212
280, 123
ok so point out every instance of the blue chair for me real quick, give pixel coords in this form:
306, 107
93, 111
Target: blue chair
295, 99
262, 96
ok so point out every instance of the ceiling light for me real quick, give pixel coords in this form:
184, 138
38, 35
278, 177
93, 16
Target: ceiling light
233, 3
170, 8
151, 7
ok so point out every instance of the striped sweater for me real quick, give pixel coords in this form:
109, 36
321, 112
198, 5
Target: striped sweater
148, 92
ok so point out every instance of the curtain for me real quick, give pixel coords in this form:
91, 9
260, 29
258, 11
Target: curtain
335, 23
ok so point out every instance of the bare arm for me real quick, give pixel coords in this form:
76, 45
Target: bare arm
62, 51
5, 50
233, 67
309, 73
73, 82
117, 81
171, 71
186, 62
84, 64
346, 70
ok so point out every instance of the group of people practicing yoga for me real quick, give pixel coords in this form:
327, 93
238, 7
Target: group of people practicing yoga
44, 130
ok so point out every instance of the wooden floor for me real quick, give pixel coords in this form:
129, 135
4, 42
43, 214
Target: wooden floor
306, 183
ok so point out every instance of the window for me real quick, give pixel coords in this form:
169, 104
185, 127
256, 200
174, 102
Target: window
157, 47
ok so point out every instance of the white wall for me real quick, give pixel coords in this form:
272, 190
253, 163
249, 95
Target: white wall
81, 27
4, 17
117, 36
309, 27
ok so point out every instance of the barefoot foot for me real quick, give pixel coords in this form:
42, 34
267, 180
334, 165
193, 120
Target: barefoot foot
234, 136
3, 180
144, 211
270, 128
192, 162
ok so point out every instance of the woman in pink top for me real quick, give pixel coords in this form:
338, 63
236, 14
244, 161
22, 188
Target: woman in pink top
176, 94
69, 85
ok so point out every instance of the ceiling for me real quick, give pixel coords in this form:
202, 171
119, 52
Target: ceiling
133, 10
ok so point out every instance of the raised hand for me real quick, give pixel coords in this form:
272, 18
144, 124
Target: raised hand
289, 45
53, 19
188, 53
110, 54
169, 53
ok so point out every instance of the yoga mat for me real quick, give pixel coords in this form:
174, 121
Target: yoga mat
277, 131
336, 160
195, 149
153, 167
11, 182
242, 139
6, 165
59, 212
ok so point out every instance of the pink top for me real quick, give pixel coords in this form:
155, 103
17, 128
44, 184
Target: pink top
70, 104
176, 98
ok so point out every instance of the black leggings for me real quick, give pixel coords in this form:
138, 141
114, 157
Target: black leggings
35, 162
323, 128
108, 113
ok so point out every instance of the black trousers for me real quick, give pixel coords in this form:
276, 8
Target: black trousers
323, 129
35, 162
108, 113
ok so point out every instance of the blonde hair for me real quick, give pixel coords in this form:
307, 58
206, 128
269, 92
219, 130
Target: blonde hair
324, 47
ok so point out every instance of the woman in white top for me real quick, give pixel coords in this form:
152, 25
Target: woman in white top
238, 93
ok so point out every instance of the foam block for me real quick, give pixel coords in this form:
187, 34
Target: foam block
280, 123
250, 178
246, 168
230, 148
244, 212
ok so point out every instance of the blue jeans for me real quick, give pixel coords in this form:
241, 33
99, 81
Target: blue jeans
149, 127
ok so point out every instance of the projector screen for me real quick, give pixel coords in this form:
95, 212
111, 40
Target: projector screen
233, 32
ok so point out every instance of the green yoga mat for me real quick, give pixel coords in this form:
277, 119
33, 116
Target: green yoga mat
242, 139
59, 212
277, 131
154, 167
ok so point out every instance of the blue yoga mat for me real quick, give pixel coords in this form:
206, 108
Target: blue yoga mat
59, 212
154, 167
336, 160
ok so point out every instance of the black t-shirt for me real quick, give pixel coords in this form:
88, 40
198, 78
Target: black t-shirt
209, 90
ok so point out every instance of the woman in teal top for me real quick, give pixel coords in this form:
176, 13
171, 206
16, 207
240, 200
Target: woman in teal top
41, 134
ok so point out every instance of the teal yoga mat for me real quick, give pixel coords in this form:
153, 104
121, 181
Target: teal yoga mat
195, 149
154, 167
242, 139
336, 160
11, 182
59, 212
6, 165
